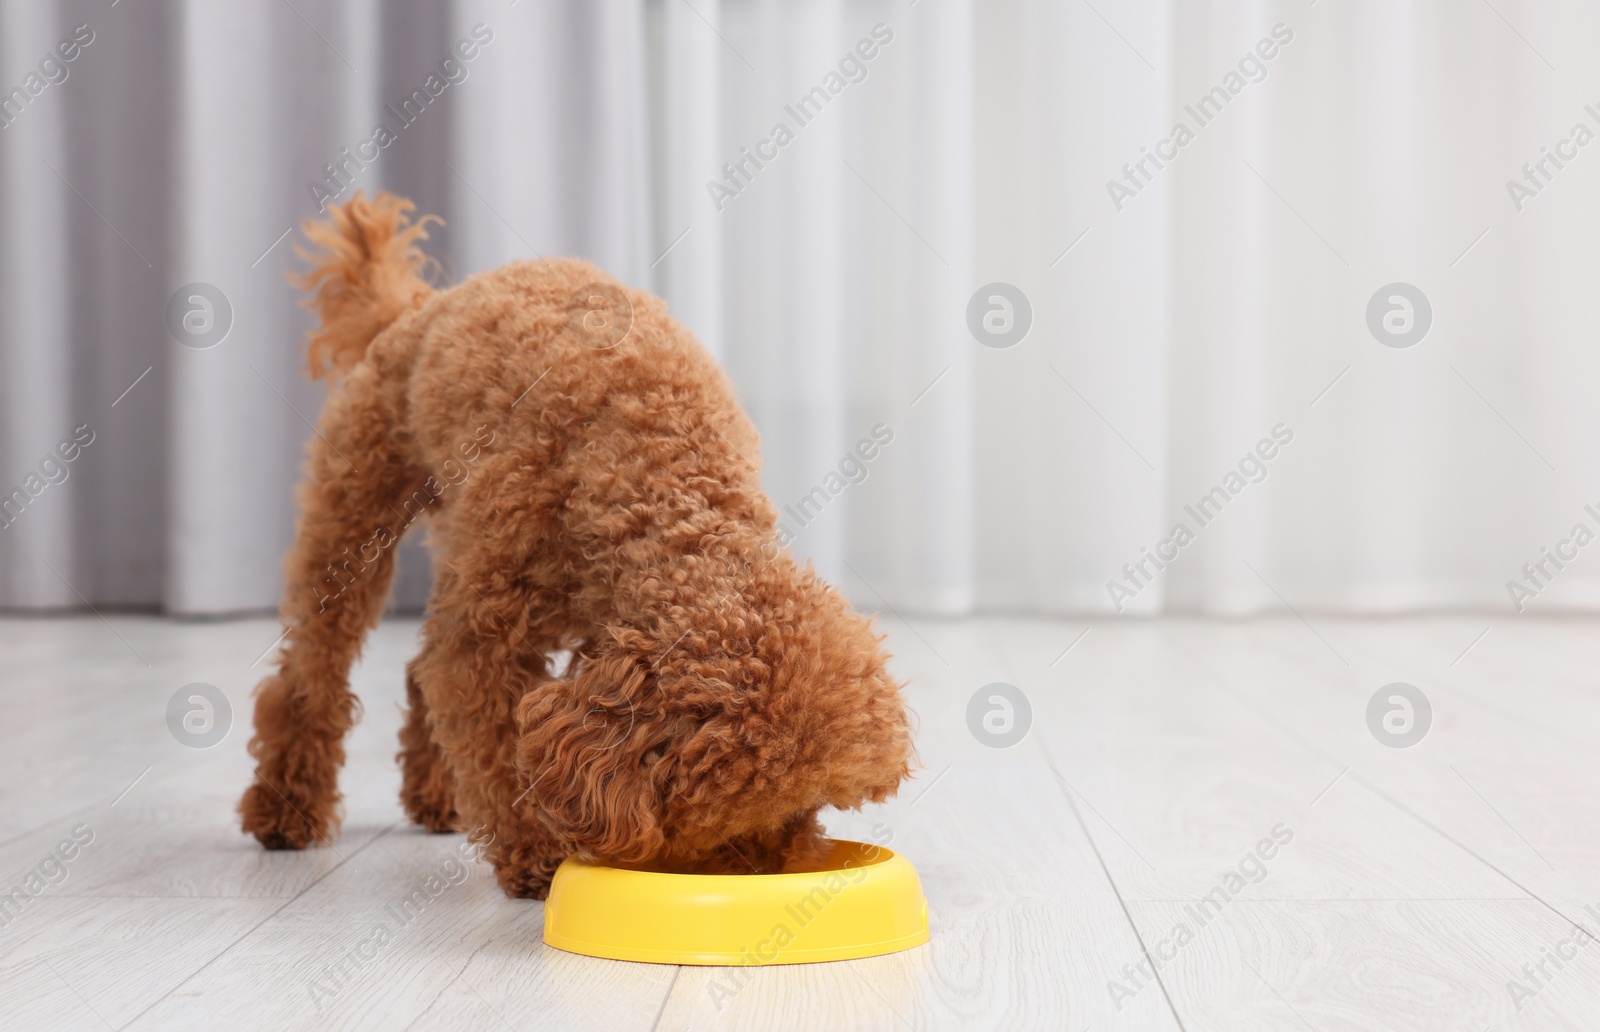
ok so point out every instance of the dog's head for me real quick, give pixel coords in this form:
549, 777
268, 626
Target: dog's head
702, 761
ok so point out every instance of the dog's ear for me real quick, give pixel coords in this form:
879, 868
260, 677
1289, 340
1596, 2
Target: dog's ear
590, 749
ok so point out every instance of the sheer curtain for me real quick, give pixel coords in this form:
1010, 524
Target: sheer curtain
1189, 294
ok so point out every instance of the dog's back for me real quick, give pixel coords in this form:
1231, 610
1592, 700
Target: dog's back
593, 487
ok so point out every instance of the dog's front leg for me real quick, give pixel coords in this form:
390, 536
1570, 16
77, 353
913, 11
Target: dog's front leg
473, 669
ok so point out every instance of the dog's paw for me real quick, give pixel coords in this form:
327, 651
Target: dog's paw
275, 822
521, 883
430, 801
433, 816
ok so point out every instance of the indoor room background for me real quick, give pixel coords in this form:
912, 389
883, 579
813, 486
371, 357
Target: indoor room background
1180, 311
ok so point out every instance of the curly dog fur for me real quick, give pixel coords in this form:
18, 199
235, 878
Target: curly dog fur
590, 486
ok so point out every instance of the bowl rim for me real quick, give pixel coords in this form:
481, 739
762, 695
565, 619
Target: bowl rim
874, 856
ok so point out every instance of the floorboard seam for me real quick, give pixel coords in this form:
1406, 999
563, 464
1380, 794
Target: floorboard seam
252, 929
446, 988
676, 971
1116, 891
1222, 684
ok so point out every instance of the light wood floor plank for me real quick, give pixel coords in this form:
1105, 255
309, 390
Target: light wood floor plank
1417, 883
1352, 966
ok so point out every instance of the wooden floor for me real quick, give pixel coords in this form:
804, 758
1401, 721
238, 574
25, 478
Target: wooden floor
1429, 887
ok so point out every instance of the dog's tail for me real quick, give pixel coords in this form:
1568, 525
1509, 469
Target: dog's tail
367, 272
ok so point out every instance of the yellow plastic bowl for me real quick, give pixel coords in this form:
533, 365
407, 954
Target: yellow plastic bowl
864, 901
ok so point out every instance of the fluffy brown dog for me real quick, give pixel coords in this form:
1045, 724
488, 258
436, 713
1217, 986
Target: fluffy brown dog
590, 484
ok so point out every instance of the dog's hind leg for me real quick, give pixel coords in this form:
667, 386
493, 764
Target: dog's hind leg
427, 787
338, 574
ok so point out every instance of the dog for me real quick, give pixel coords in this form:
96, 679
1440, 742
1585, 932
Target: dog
590, 488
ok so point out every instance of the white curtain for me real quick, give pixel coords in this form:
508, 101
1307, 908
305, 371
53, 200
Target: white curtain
1182, 308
